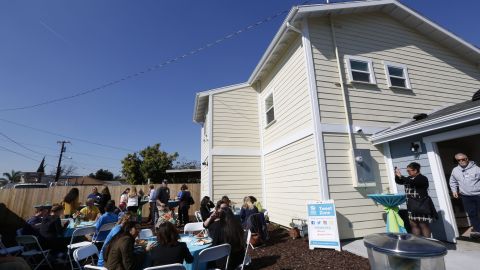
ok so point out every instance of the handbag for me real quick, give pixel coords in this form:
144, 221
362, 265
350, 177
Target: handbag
256, 240
421, 206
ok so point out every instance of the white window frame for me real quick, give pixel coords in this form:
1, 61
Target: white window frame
360, 59
271, 93
387, 64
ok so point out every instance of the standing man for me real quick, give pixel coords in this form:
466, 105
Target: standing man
163, 195
152, 201
466, 178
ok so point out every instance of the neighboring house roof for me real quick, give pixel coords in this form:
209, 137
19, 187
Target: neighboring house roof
460, 113
183, 171
393, 8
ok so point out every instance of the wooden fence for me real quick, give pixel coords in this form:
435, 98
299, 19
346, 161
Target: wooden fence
21, 201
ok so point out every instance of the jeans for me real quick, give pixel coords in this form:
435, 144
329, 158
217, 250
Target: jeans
472, 207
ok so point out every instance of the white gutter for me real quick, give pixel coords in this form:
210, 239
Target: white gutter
273, 44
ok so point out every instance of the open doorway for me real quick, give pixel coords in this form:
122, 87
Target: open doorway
447, 149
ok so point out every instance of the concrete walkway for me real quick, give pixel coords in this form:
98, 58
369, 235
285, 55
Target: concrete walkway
464, 255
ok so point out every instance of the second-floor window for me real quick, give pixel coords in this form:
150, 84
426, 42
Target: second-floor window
360, 69
397, 75
269, 109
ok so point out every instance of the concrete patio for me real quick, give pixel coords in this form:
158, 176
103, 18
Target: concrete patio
464, 255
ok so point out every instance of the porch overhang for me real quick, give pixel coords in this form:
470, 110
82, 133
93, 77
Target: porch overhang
448, 117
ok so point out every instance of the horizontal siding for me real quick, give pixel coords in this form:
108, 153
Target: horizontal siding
438, 77
204, 187
292, 106
235, 119
358, 215
236, 177
291, 179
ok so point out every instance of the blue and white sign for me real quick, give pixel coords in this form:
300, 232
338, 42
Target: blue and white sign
322, 225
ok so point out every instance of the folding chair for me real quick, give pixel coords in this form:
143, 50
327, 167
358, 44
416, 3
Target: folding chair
32, 249
175, 266
85, 252
256, 223
15, 250
193, 227
213, 254
105, 227
246, 259
72, 246
198, 216
145, 234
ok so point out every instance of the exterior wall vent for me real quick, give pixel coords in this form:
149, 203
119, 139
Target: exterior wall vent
476, 96
420, 116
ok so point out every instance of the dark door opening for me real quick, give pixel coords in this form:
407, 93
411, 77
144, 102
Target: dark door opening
447, 149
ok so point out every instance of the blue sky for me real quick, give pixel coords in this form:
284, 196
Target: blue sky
51, 49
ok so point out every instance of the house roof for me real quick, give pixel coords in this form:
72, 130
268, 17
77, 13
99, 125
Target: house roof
460, 113
393, 8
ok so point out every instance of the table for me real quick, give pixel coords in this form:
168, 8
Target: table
71, 227
194, 250
391, 202
173, 203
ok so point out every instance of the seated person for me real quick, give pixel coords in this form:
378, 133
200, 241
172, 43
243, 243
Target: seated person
247, 210
227, 201
118, 228
257, 204
205, 205
168, 249
165, 215
107, 217
119, 253
214, 217
33, 224
52, 230
90, 212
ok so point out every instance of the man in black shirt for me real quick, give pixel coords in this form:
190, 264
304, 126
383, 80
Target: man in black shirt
163, 195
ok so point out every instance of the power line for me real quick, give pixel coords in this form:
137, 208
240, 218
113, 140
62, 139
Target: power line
21, 145
20, 154
154, 67
68, 137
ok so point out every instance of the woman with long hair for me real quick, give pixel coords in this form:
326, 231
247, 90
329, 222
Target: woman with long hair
71, 202
104, 198
132, 203
205, 206
227, 229
420, 208
168, 249
119, 252
113, 232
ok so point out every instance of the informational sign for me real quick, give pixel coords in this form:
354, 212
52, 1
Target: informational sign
322, 225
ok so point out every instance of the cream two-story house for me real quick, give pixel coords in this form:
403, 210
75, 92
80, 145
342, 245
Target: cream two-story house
300, 128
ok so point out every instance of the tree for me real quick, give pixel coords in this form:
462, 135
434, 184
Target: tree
187, 164
65, 170
150, 163
102, 174
13, 176
131, 169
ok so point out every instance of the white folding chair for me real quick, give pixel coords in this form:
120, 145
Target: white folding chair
32, 249
105, 227
175, 266
86, 252
15, 250
193, 227
246, 259
198, 216
74, 245
145, 234
213, 254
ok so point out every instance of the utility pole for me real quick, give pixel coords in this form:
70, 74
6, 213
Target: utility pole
59, 168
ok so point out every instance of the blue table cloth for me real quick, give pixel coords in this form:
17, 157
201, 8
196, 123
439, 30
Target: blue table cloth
391, 202
173, 203
194, 250
71, 227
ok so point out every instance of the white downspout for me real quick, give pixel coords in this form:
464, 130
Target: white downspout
348, 119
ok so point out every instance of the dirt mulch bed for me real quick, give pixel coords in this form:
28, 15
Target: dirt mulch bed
283, 252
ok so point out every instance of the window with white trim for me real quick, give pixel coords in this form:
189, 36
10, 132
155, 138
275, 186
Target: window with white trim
269, 110
360, 69
397, 75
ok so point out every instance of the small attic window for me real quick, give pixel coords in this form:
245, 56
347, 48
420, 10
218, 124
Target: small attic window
360, 69
269, 110
397, 75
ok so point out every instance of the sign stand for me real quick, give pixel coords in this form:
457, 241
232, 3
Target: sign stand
322, 225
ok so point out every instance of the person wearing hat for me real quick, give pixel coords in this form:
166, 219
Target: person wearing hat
41, 211
52, 230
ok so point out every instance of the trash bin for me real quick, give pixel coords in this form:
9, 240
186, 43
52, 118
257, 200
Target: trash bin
404, 251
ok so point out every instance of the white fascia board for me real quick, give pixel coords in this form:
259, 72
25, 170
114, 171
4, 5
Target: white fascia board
271, 47
343, 5
423, 127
